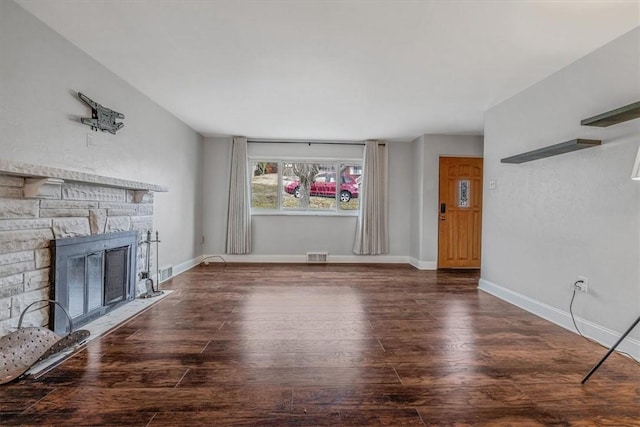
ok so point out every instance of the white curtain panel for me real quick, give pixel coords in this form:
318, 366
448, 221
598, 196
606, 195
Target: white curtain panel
372, 231
239, 221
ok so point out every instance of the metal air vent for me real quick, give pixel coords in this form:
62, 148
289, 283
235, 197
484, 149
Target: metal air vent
165, 273
317, 257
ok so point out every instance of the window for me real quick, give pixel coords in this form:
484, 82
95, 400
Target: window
314, 186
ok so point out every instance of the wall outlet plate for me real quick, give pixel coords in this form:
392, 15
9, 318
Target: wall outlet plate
584, 286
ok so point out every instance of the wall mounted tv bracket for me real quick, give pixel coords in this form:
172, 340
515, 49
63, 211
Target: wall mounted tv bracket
102, 118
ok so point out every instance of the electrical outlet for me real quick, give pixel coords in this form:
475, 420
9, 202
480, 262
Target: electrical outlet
584, 285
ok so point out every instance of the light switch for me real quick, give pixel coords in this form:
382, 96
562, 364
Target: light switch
492, 184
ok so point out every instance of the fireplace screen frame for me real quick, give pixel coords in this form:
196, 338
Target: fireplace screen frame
74, 248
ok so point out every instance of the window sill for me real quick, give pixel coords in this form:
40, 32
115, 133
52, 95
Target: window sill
353, 214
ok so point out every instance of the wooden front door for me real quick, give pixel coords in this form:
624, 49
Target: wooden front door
460, 212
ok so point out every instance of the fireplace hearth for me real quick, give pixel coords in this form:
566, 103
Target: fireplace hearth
91, 276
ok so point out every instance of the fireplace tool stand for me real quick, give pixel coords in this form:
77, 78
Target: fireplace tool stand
152, 291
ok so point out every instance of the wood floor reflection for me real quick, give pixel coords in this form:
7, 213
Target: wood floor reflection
330, 345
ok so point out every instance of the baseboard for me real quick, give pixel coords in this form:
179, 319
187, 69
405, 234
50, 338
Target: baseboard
604, 336
331, 259
187, 265
177, 269
302, 259
423, 265
367, 259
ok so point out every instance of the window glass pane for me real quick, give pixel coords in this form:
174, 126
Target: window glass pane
351, 177
264, 185
309, 185
463, 193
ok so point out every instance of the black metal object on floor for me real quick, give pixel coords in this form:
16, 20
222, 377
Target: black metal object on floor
613, 347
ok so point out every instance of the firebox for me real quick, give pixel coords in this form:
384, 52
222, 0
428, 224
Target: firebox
91, 276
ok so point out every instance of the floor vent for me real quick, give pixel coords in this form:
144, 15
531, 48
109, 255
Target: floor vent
317, 257
165, 273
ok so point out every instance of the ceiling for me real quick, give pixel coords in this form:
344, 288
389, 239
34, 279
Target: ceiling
334, 70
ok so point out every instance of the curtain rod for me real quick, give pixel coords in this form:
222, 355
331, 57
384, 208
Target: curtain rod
275, 141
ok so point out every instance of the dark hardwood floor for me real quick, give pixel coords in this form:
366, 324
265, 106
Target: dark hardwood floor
330, 345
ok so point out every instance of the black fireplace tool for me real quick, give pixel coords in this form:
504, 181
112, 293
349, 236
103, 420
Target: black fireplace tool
152, 291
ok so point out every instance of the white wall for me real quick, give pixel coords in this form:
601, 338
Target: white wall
550, 220
40, 73
426, 152
401, 174
216, 172
289, 237
417, 190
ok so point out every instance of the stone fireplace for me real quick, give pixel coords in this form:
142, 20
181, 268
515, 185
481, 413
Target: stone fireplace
40, 206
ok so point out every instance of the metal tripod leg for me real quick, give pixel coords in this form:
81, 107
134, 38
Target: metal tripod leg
597, 365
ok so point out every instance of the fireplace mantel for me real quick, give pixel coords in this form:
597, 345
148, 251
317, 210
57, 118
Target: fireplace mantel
39, 178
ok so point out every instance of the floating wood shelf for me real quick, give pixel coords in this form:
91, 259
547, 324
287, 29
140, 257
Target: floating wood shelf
552, 150
613, 117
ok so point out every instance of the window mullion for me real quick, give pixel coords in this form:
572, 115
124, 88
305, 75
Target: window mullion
280, 184
336, 167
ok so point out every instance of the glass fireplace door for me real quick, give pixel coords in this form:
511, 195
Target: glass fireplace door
84, 278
